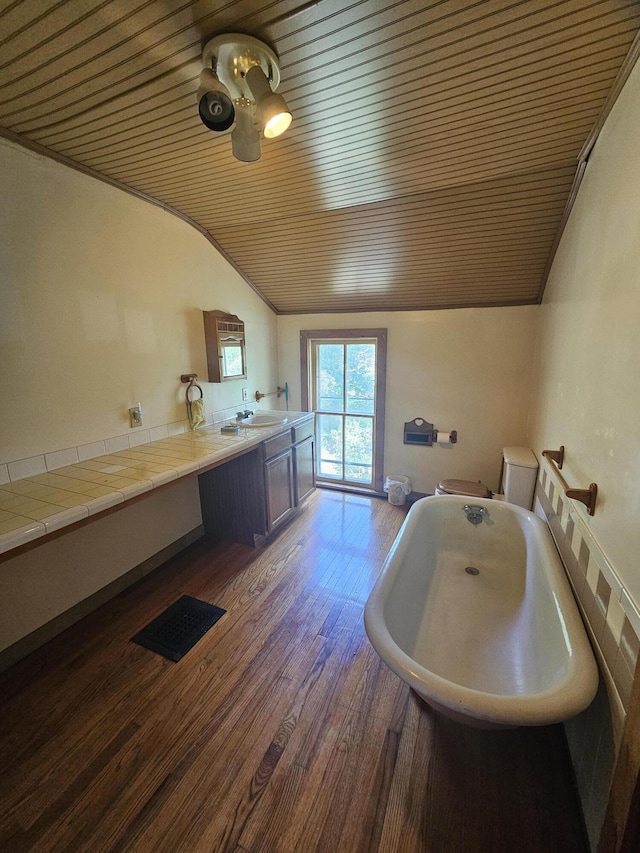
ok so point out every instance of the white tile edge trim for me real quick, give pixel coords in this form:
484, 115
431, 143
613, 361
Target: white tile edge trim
617, 587
42, 463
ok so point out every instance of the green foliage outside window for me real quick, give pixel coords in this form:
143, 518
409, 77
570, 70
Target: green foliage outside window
346, 376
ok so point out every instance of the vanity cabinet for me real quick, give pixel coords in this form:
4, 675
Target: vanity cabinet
249, 498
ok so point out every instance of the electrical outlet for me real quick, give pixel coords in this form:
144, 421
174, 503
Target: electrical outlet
245, 395
135, 416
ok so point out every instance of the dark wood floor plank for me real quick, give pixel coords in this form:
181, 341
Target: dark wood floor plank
281, 731
359, 756
204, 804
399, 831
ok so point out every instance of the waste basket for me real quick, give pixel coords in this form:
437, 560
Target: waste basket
397, 487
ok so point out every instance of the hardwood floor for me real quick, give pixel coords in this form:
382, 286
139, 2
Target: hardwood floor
281, 730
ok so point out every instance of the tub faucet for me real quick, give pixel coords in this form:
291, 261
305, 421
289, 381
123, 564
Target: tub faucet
475, 513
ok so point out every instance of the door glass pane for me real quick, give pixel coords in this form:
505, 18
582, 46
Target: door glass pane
343, 385
330, 377
358, 449
329, 429
361, 378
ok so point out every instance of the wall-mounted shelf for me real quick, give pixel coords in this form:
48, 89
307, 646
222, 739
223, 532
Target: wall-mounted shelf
421, 432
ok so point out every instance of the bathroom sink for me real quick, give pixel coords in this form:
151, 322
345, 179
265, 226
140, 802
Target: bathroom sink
266, 420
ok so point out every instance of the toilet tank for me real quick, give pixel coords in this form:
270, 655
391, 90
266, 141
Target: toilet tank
519, 475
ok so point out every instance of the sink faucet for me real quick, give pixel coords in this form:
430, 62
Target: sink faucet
475, 513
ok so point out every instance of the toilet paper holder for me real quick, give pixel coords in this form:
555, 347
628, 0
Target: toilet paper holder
419, 431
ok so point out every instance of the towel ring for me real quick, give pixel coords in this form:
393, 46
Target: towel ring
191, 379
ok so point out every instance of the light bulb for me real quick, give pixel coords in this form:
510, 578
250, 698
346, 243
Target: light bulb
277, 125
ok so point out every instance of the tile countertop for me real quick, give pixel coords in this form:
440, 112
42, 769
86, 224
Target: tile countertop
39, 505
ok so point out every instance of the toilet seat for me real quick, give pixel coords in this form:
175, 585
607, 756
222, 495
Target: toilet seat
466, 488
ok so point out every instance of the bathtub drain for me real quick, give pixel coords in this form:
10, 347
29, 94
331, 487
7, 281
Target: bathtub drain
471, 570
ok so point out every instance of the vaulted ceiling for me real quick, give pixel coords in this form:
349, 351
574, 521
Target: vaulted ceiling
431, 157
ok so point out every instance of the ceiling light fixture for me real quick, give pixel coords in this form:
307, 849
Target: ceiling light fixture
242, 73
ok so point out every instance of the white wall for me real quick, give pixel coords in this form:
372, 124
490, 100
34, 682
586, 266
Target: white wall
588, 361
101, 305
464, 369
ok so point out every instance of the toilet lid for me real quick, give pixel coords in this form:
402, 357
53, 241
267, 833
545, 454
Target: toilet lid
465, 487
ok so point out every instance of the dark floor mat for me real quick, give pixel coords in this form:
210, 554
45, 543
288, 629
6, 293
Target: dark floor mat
179, 627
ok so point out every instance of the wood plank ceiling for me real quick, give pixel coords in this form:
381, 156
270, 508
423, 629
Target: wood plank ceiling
432, 153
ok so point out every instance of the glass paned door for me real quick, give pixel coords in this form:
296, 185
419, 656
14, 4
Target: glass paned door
343, 384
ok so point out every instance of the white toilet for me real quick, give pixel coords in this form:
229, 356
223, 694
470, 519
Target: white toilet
517, 478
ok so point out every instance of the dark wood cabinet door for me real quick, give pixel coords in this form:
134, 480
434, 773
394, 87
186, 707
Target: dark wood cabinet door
304, 468
278, 473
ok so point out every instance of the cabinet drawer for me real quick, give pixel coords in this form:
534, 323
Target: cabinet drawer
275, 445
303, 431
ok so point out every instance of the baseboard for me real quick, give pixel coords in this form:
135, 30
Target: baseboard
46, 632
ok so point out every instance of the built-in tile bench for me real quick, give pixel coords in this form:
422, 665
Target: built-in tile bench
44, 504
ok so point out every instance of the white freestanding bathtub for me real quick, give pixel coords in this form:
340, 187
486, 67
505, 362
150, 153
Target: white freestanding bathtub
479, 619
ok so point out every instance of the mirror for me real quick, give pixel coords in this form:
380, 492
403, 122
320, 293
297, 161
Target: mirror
224, 339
